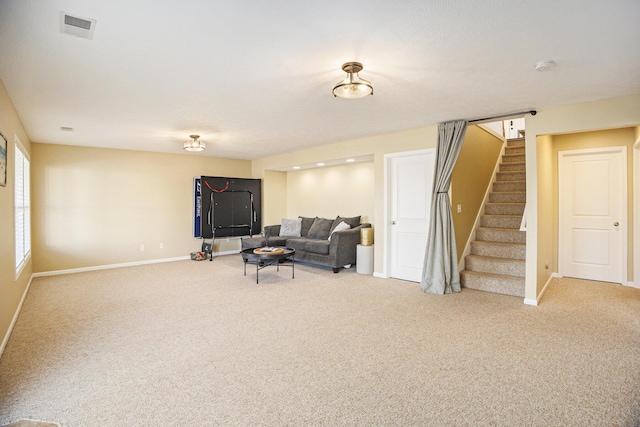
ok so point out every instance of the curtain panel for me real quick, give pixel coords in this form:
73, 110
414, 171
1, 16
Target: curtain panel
440, 273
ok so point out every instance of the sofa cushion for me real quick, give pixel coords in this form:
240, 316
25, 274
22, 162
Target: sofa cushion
297, 243
353, 221
277, 241
253, 242
290, 227
320, 229
317, 246
306, 225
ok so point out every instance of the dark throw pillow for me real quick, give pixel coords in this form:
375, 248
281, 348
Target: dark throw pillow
306, 225
320, 229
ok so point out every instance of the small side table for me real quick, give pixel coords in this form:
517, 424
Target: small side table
364, 259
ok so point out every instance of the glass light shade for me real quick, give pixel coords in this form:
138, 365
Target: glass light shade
353, 87
194, 145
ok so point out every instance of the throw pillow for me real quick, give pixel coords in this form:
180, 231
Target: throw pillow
290, 227
353, 221
320, 229
306, 225
342, 226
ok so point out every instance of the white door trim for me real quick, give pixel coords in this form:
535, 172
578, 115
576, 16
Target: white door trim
624, 204
386, 253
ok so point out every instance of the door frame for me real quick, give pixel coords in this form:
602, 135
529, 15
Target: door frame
624, 206
386, 252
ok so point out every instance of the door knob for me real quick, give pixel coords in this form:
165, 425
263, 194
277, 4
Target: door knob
615, 224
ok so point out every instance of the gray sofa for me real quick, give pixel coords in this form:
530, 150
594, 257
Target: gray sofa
313, 245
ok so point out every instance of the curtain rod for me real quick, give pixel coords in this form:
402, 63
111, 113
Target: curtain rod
504, 116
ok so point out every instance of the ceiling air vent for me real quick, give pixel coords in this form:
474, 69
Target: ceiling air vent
76, 26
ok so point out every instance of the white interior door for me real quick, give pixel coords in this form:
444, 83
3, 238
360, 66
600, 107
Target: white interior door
512, 126
411, 185
593, 214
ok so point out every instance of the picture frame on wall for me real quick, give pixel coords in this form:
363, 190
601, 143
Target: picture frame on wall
3, 160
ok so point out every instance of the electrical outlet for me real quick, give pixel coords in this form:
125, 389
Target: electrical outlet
161, 245
142, 247
459, 208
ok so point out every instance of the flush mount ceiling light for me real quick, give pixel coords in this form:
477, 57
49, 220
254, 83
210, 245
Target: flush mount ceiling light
194, 145
544, 65
353, 87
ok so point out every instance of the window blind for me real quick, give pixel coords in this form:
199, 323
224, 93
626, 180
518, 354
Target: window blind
22, 207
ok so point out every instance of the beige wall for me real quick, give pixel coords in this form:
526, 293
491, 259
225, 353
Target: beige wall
11, 288
470, 179
547, 249
96, 206
345, 190
597, 115
274, 197
378, 146
623, 137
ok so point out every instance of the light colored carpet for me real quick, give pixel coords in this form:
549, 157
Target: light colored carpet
198, 344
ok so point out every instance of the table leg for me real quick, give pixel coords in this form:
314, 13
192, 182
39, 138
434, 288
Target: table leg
257, 269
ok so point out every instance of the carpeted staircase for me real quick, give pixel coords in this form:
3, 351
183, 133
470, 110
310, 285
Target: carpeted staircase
497, 259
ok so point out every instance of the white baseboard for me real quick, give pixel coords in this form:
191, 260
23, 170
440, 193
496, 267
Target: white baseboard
379, 275
124, 264
633, 285
5, 340
529, 301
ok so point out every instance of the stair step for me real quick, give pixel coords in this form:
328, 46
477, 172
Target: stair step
514, 151
507, 158
511, 176
499, 249
507, 285
506, 197
504, 266
515, 142
504, 209
501, 221
509, 186
513, 166
505, 235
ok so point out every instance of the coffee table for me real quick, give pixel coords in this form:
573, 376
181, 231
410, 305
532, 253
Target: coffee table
262, 260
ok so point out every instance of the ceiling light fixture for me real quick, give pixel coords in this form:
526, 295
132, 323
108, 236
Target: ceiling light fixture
194, 145
544, 65
353, 87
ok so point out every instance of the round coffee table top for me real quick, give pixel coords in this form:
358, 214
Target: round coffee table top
268, 250
254, 253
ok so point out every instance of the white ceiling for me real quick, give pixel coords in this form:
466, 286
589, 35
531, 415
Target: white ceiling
254, 78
